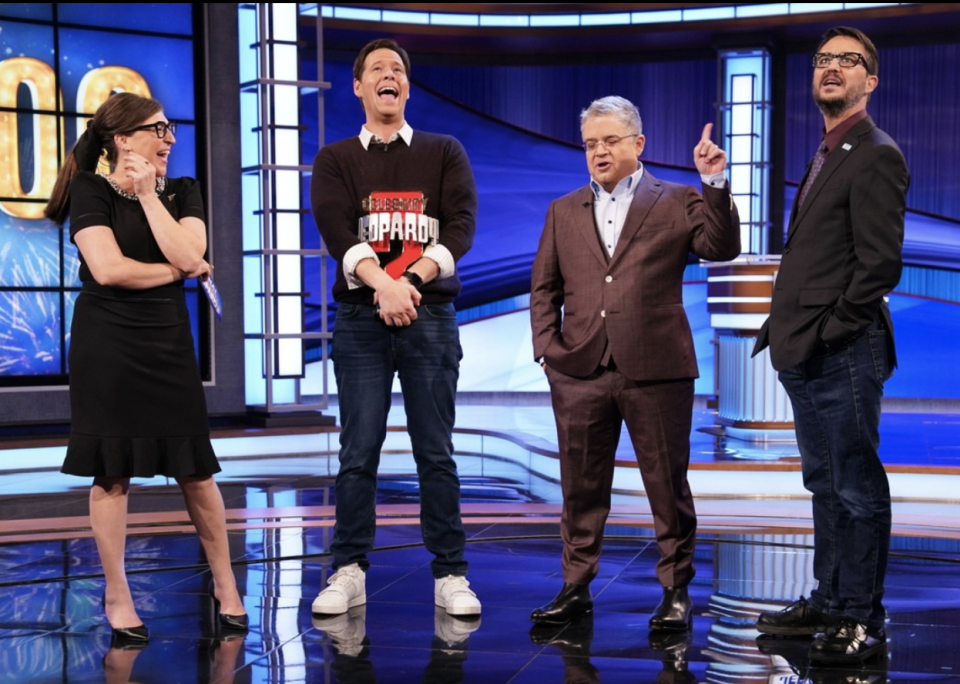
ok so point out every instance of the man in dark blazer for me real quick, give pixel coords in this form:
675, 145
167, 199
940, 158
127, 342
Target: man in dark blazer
610, 330
831, 339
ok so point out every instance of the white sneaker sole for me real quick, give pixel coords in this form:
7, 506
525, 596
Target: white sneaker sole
469, 610
319, 609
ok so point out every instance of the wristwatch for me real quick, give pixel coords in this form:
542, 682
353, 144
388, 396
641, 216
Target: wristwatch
414, 279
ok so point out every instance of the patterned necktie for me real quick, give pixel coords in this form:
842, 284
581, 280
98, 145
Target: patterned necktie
815, 166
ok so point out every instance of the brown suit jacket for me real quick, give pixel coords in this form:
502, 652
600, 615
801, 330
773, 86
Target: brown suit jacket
581, 301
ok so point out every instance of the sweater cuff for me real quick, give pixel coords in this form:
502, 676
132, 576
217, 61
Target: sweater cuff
443, 258
352, 258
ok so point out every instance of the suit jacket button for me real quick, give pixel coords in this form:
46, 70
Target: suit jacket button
603, 314
609, 279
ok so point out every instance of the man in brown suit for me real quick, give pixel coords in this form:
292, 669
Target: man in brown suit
610, 330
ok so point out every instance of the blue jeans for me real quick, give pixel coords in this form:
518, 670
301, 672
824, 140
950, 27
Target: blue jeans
836, 404
426, 355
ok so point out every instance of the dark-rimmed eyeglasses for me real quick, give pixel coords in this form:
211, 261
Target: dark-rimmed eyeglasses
160, 128
608, 142
847, 60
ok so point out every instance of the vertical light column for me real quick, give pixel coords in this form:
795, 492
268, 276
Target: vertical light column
745, 106
274, 217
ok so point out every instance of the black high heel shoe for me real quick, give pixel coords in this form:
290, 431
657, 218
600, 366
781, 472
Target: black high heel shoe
126, 637
239, 623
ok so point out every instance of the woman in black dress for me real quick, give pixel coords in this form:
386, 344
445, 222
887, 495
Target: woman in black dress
138, 408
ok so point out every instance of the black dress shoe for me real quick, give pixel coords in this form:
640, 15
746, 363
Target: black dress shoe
797, 619
573, 601
675, 612
848, 641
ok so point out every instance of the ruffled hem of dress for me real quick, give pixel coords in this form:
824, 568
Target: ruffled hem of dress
94, 456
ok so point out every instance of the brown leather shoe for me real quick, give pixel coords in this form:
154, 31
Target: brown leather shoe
675, 612
573, 601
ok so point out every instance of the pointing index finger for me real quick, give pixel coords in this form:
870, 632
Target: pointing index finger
707, 131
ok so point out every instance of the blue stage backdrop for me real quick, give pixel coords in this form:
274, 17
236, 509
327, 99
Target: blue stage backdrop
58, 63
519, 172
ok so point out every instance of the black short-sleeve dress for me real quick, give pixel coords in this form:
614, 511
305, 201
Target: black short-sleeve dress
136, 397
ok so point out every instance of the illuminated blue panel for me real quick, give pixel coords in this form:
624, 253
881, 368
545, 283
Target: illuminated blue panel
555, 20
508, 20
708, 13
771, 10
25, 40
326, 12
30, 342
662, 17
37, 257
71, 260
27, 10
406, 17
173, 17
605, 19
356, 14
807, 7
167, 66
29, 253
445, 19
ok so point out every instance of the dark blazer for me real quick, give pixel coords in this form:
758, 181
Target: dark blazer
843, 250
580, 299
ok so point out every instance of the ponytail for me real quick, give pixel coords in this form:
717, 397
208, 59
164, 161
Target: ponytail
84, 157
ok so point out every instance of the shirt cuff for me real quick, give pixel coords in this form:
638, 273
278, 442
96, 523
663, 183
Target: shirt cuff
354, 256
714, 180
443, 258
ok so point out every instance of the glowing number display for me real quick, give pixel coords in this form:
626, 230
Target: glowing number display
38, 77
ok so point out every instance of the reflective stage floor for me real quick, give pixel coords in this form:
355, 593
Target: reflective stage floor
753, 554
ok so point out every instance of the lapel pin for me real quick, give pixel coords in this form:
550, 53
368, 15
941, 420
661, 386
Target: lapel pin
847, 147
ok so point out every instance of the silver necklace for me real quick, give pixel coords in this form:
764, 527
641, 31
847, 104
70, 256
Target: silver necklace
161, 186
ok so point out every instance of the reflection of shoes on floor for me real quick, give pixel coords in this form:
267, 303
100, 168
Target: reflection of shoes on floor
848, 642
797, 619
785, 653
451, 629
672, 648
670, 645
571, 639
846, 676
347, 589
453, 593
347, 631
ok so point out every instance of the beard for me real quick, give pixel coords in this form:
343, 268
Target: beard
835, 106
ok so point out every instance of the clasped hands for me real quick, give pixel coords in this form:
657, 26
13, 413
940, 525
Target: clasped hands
396, 302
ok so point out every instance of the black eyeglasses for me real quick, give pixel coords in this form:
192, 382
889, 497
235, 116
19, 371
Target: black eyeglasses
160, 128
847, 60
608, 142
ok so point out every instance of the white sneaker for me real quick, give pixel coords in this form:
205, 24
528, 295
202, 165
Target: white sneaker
347, 590
453, 594
346, 631
452, 630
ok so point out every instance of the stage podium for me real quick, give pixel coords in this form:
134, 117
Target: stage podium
753, 406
